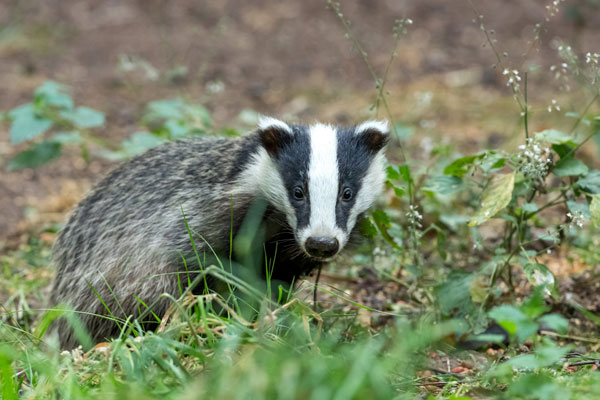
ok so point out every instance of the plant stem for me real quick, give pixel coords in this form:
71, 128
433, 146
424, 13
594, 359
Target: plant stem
585, 110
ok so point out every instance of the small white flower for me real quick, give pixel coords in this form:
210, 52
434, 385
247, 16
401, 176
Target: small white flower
553, 106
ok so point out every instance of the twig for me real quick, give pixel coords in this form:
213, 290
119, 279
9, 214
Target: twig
569, 337
580, 363
316, 287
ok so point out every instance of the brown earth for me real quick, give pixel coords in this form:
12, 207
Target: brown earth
282, 58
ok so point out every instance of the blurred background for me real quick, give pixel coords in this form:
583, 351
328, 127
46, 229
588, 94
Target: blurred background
289, 59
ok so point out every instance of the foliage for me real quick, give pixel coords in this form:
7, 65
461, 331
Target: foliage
52, 109
465, 238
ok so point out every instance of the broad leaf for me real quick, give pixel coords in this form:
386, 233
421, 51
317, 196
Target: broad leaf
540, 275
514, 321
555, 137
555, 322
495, 198
84, 117
167, 109
570, 167
139, 142
461, 166
26, 124
529, 207
582, 208
453, 294
392, 173
53, 94
67, 137
444, 184
591, 182
35, 156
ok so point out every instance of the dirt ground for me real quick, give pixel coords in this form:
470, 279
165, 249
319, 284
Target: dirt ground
281, 58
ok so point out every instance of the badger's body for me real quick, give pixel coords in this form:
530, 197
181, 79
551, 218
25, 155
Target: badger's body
126, 240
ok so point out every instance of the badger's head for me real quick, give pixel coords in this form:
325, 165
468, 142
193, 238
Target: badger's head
320, 177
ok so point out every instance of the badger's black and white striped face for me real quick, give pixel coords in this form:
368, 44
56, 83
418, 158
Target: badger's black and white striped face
321, 177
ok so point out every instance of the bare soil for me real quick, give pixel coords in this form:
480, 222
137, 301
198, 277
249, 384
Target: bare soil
282, 58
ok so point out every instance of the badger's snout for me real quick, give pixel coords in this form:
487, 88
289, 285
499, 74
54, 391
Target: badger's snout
322, 246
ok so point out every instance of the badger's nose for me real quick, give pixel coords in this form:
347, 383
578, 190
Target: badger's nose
322, 246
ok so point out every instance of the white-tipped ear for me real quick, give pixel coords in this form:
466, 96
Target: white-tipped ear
266, 123
274, 134
381, 126
374, 134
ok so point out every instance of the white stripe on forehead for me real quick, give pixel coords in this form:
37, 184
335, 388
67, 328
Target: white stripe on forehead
323, 181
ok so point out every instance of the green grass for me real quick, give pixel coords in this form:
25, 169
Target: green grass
207, 348
464, 238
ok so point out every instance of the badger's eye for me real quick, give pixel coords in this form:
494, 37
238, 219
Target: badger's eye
347, 194
298, 193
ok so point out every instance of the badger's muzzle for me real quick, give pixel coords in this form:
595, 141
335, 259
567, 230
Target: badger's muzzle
322, 246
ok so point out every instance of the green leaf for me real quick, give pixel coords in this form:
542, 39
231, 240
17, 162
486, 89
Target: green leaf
529, 207
398, 191
176, 129
9, 391
140, 142
454, 221
441, 244
404, 171
535, 305
392, 173
26, 124
583, 208
591, 182
453, 294
444, 184
555, 322
495, 198
461, 166
524, 361
367, 228
570, 167
166, 109
383, 223
540, 275
84, 117
381, 219
554, 137
595, 210
514, 322
492, 161
52, 93
39, 154
562, 149
67, 137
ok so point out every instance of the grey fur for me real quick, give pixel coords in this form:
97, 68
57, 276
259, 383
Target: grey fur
130, 227
126, 238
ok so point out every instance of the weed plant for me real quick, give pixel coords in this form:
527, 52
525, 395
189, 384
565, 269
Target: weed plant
253, 341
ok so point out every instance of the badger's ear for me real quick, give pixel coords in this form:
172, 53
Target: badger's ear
274, 134
374, 134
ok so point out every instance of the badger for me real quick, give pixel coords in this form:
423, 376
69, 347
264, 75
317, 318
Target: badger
130, 237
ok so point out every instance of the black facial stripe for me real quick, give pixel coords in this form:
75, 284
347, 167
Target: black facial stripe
354, 158
293, 162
